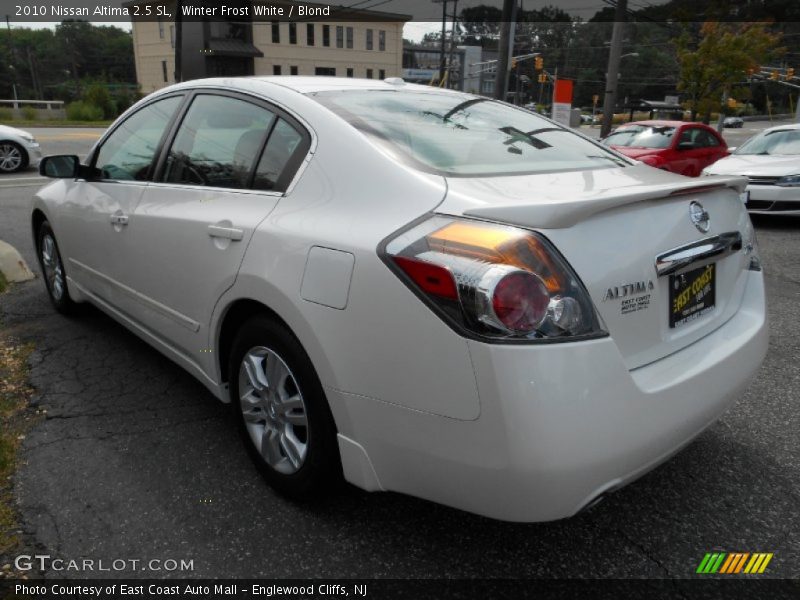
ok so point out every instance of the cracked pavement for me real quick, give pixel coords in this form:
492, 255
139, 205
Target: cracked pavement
136, 460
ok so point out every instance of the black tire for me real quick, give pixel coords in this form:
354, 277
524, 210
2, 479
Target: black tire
320, 470
52, 266
7, 148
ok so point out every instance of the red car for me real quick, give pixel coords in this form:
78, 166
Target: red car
685, 148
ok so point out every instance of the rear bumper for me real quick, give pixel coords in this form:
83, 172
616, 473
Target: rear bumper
560, 424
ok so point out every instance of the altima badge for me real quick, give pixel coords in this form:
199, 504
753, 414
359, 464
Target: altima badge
699, 217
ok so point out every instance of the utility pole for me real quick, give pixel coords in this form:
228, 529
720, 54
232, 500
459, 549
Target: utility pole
13, 58
179, 41
612, 74
506, 44
443, 58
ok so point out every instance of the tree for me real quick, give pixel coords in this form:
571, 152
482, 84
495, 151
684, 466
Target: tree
717, 64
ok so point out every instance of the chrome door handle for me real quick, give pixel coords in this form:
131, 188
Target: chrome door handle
228, 233
119, 219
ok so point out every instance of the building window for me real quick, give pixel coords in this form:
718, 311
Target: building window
339, 36
488, 87
293, 70
164, 70
310, 34
292, 33
382, 40
326, 35
369, 39
350, 72
172, 35
276, 32
325, 71
382, 74
369, 73
160, 28
276, 69
349, 37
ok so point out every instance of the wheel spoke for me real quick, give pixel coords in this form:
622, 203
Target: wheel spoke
276, 374
293, 449
270, 447
253, 366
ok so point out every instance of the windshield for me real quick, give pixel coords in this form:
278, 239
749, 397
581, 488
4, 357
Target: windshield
641, 136
462, 135
780, 141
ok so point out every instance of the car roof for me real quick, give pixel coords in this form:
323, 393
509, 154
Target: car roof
784, 126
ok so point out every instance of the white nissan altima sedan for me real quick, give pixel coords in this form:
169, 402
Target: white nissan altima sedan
416, 289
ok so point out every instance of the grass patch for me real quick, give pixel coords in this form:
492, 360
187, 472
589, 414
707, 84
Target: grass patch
15, 420
3, 283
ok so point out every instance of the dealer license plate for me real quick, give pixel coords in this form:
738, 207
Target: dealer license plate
691, 295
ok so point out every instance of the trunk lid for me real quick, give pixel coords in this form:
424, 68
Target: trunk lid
610, 225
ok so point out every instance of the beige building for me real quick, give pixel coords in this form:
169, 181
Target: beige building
368, 46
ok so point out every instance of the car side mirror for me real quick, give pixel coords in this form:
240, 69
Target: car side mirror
686, 146
60, 167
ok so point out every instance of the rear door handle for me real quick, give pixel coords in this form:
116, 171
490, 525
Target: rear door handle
228, 233
119, 219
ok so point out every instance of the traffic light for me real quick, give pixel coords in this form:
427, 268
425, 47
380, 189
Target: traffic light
513, 63
542, 78
732, 103
789, 72
774, 75
538, 63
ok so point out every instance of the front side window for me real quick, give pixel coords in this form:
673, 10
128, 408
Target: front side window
129, 151
463, 135
218, 143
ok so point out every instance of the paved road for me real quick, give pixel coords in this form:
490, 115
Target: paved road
137, 461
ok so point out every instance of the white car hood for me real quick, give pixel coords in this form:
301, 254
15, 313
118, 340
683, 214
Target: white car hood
556, 200
756, 164
13, 131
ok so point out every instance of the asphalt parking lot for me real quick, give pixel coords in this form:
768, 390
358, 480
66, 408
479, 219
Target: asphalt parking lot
136, 460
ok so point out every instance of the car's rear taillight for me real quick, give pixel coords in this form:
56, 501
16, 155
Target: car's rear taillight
494, 281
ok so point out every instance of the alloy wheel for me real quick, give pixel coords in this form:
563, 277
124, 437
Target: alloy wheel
10, 158
273, 409
53, 270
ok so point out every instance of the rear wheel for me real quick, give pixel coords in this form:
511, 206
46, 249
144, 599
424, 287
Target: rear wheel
53, 270
13, 157
281, 410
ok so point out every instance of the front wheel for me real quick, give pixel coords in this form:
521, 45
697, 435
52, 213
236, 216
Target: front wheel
53, 270
281, 410
13, 157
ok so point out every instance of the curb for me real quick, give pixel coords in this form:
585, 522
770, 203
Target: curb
12, 265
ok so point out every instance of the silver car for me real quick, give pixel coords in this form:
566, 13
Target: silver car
18, 150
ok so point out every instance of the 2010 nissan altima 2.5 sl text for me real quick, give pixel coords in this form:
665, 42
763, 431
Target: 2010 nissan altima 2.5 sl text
415, 289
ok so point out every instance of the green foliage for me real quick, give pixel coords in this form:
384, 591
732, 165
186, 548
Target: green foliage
718, 62
29, 113
83, 111
6, 114
97, 95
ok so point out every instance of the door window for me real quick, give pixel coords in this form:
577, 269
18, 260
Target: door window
128, 152
218, 142
706, 140
284, 144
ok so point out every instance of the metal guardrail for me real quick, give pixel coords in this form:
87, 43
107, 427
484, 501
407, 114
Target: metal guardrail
45, 104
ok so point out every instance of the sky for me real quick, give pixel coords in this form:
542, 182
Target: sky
427, 14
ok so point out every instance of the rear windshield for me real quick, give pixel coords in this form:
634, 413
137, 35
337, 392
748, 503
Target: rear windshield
462, 135
780, 141
639, 136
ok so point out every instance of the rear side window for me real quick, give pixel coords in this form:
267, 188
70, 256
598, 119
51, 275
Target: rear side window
461, 135
218, 143
285, 146
128, 152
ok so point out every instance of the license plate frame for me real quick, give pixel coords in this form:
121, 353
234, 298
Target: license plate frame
692, 294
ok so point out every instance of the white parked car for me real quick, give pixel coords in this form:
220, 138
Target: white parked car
18, 150
421, 290
771, 163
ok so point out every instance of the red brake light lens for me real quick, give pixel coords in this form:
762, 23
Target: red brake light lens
492, 280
